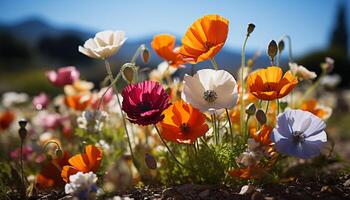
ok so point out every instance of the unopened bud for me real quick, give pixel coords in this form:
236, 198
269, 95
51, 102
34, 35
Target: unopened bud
145, 55
280, 46
59, 153
150, 161
260, 116
283, 105
250, 109
22, 123
250, 28
128, 72
272, 50
250, 63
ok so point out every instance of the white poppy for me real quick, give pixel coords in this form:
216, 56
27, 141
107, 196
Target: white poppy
301, 72
209, 90
104, 44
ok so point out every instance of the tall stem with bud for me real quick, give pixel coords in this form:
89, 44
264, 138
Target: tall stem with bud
250, 29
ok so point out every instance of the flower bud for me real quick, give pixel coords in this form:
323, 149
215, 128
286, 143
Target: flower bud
59, 153
250, 28
250, 109
150, 161
250, 63
272, 49
128, 72
145, 55
22, 123
261, 117
280, 46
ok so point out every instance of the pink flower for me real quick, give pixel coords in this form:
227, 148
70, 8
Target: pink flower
63, 76
144, 102
27, 151
106, 99
41, 101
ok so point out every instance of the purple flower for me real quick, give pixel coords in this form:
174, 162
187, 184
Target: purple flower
41, 101
299, 133
63, 76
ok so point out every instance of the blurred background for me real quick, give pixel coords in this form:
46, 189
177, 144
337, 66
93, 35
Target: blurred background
39, 35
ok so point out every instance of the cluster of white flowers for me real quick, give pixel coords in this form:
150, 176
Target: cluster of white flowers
82, 185
103, 145
92, 121
120, 198
11, 98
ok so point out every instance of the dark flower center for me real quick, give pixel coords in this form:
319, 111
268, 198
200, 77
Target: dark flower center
144, 106
210, 96
184, 128
298, 137
209, 45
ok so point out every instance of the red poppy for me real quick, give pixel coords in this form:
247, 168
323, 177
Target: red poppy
50, 175
144, 102
6, 119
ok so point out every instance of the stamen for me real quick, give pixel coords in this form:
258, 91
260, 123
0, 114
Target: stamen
210, 96
298, 137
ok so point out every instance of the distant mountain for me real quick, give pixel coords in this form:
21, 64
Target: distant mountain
33, 30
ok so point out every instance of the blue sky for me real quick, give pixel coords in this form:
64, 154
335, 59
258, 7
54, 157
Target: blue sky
308, 22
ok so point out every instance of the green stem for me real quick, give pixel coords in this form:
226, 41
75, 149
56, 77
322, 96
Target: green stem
168, 148
290, 55
242, 83
314, 86
246, 131
230, 125
214, 63
267, 107
21, 158
110, 74
137, 53
278, 106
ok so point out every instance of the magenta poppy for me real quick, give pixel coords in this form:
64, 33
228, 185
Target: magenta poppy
144, 102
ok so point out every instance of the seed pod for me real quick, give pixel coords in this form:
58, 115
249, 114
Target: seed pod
272, 50
128, 72
260, 116
145, 55
250, 109
280, 46
150, 161
250, 28
22, 123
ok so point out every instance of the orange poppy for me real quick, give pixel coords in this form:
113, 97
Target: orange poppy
204, 38
84, 162
263, 135
78, 102
164, 46
50, 175
268, 84
183, 123
254, 172
6, 119
313, 107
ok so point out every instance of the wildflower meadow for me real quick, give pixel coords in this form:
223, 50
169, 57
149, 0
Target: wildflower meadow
209, 133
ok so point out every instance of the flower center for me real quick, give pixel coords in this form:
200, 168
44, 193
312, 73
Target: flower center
144, 107
184, 128
208, 45
298, 137
210, 96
